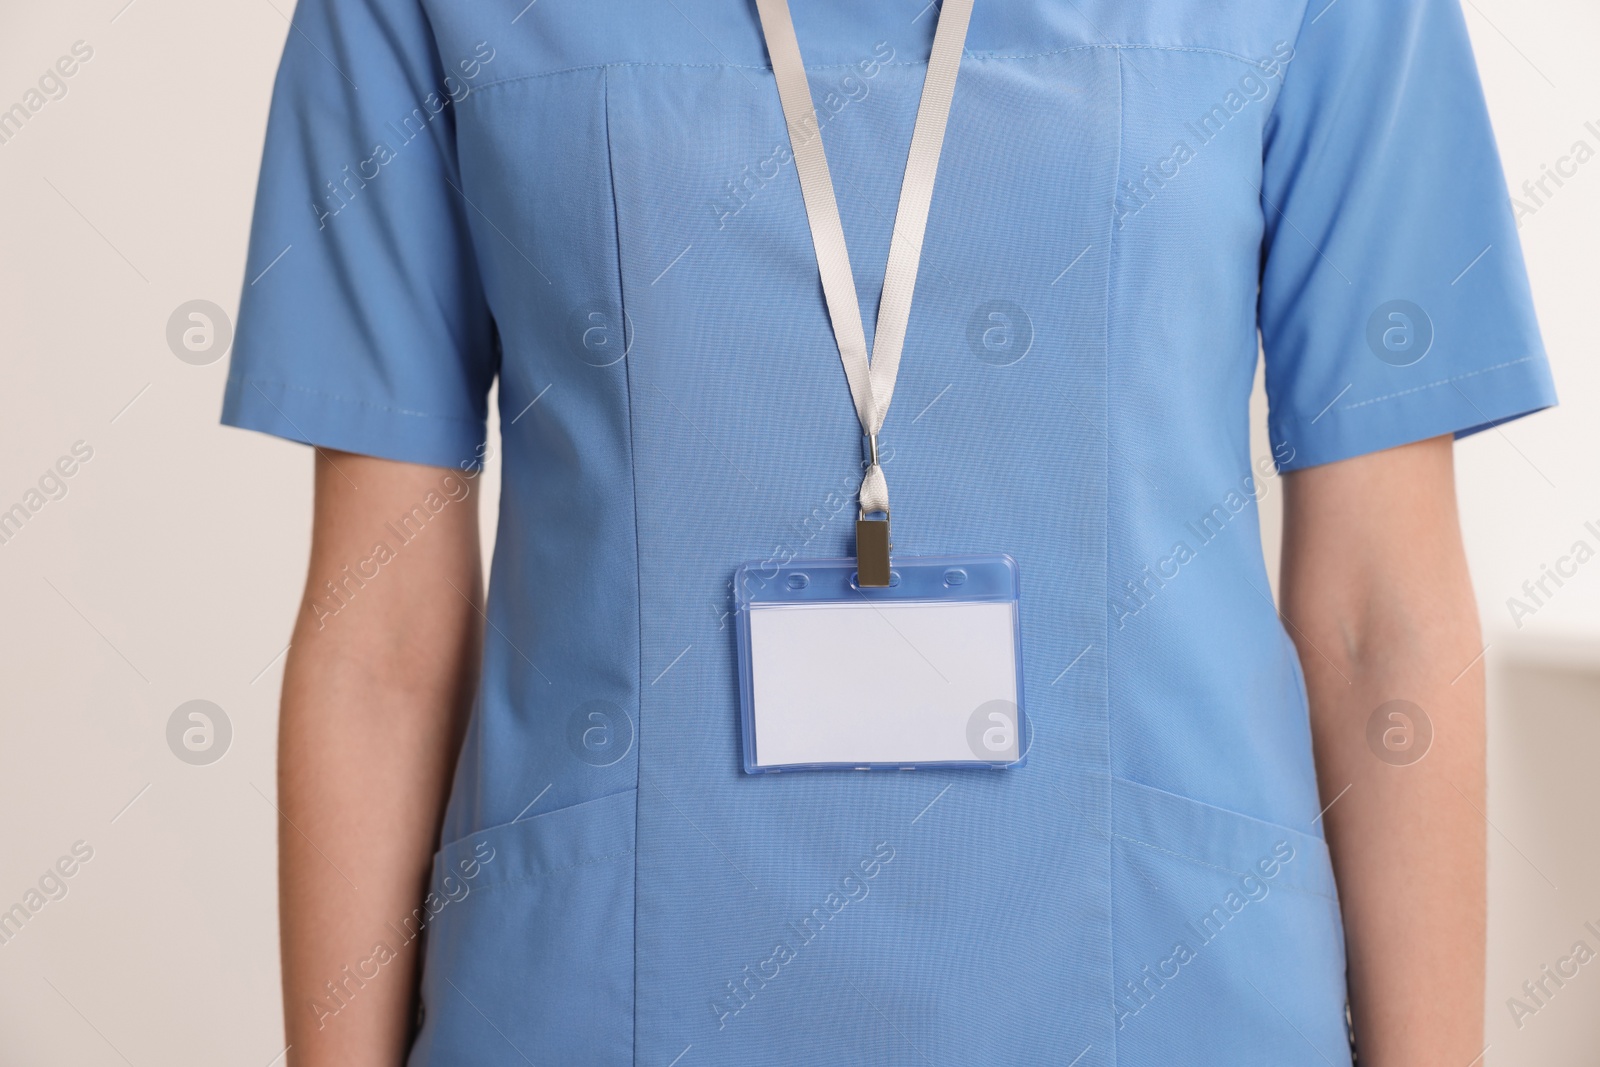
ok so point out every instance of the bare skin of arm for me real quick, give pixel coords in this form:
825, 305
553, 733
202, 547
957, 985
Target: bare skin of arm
1378, 599
375, 699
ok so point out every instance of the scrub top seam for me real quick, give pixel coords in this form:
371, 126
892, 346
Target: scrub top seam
1294, 50
638, 562
1216, 866
1105, 566
818, 67
457, 842
532, 878
1433, 385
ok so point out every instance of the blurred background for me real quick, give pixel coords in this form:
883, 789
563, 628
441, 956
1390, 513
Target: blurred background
163, 561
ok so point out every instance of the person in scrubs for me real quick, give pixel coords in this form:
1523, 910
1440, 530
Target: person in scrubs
516, 827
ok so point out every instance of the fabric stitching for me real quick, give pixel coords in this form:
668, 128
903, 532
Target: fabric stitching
638, 566
456, 842
974, 56
357, 401
1435, 385
1159, 795
1119, 49
1218, 867
1299, 33
590, 862
1180, 855
1105, 624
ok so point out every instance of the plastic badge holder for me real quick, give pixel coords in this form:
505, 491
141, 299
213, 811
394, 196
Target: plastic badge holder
924, 673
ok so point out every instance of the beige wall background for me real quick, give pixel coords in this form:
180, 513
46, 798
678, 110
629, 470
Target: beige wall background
169, 570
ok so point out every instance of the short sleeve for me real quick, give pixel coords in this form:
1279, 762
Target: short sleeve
363, 325
1394, 301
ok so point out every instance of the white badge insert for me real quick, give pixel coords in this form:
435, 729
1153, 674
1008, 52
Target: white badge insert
923, 673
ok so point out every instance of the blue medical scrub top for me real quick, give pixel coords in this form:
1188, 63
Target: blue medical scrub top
595, 203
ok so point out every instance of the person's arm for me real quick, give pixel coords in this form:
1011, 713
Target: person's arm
375, 698
1377, 597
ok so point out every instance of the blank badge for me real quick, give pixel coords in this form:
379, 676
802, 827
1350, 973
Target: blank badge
925, 672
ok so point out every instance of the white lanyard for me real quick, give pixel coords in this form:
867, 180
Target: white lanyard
871, 384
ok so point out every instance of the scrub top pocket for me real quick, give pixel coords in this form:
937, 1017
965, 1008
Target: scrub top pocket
537, 953
1227, 946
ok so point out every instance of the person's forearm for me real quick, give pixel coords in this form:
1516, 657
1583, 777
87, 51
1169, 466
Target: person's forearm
1407, 840
375, 695
1404, 821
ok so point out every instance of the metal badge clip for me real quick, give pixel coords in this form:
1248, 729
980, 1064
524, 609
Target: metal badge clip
872, 551
872, 535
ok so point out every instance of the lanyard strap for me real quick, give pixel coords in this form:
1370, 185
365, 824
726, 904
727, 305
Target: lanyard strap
871, 384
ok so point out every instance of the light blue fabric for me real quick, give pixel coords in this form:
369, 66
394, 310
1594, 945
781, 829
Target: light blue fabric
599, 208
